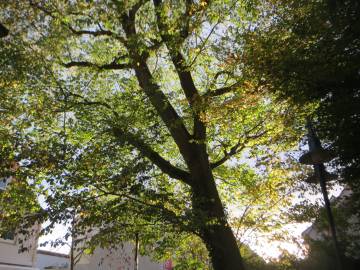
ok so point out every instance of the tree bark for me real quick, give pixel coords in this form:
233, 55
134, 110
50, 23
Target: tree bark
209, 213
72, 259
222, 247
136, 251
216, 233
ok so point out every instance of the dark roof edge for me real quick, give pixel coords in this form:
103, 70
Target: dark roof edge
51, 253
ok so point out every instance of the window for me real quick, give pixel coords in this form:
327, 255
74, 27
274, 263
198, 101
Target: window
8, 236
3, 183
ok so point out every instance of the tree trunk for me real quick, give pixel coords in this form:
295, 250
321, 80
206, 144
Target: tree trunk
219, 238
72, 259
136, 251
210, 215
222, 247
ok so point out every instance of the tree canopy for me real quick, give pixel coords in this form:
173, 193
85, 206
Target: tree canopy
147, 116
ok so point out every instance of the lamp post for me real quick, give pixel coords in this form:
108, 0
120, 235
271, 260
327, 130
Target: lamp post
316, 156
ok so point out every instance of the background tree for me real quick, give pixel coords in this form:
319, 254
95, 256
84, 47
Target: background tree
319, 249
308, 52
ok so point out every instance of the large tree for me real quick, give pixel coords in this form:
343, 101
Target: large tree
142, 108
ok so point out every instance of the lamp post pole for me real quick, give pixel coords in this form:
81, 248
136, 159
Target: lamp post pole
316, 157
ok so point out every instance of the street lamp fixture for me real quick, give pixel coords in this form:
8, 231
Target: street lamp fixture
316, 156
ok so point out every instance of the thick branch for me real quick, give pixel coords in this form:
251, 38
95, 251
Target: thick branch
237, 148
184, 74
112, 65
135, 8
158, 99
191, 93
164, 165
186, 80
222, 90
164, 212
177, 58
3, 31
100, 32
85, 102
233, 151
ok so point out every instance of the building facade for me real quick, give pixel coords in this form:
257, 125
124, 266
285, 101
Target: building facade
121, 258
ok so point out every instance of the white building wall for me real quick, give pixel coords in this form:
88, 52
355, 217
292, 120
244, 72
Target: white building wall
52, 259
10, 257
115, 259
